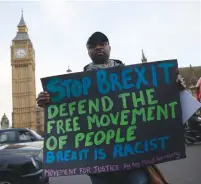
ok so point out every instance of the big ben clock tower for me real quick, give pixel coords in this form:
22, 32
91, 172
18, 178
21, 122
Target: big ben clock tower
23, 79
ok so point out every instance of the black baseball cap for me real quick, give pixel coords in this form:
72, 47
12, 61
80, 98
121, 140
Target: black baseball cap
97, 37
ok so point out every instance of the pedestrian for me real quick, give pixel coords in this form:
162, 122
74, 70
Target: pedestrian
99, 48
198, 90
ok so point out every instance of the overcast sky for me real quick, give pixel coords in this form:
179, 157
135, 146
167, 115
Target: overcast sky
59, 30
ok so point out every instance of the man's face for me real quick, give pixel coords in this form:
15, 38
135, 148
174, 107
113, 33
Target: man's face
99, 53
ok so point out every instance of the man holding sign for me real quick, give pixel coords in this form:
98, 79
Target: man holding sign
99, 51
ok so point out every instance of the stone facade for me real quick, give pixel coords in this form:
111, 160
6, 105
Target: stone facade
40, 120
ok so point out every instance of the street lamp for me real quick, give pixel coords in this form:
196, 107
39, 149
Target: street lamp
69, 70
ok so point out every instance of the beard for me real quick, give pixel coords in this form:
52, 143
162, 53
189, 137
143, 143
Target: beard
100, 58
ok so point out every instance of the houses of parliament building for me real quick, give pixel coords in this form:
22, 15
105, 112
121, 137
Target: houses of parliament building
25, 113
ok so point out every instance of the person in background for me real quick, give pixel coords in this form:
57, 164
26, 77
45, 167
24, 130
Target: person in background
198, 90
99, 49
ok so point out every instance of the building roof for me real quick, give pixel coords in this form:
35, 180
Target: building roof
4, 120
4, 117
144, 59
190, 74
22, 35
22, 22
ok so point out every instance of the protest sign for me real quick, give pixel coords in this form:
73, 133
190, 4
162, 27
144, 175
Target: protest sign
112, 119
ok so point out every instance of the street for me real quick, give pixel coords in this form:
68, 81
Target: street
185, 171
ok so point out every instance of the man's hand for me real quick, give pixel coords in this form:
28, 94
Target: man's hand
181, 83
43, 99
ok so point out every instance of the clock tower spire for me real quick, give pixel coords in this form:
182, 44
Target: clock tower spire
23, 79
144, 59
22, 31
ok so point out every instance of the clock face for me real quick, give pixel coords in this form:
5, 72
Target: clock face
20, 53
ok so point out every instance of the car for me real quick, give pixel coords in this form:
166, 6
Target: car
18, 135
22, 163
